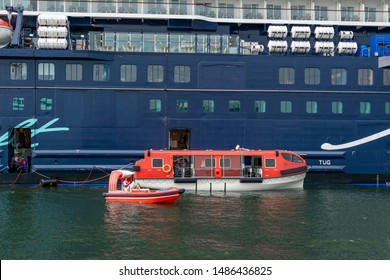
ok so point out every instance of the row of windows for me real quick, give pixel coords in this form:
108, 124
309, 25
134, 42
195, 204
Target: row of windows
182, 74
260, 106
312, 76
225, 162
101, 72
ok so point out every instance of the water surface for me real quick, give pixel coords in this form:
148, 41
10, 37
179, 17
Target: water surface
318, 222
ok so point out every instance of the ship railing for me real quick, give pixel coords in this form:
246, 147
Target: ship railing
173, 43
244, 10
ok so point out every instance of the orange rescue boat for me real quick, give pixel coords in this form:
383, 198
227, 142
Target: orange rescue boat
130, 192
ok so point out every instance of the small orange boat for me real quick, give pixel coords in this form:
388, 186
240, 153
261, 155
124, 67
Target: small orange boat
130, 192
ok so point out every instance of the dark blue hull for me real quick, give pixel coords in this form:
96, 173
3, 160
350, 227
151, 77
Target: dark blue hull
90, 127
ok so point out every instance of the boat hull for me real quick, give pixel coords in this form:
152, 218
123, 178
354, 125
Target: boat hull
229, 185
169, 195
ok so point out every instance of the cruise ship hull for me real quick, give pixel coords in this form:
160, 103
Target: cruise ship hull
79, 111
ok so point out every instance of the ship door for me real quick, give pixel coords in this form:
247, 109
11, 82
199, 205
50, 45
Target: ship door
179, 139
19, 150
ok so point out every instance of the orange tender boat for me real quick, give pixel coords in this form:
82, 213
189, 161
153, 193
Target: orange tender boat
129, 191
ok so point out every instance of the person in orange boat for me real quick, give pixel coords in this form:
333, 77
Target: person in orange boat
128, 184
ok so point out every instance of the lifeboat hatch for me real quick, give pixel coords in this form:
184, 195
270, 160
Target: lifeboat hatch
19, 150
179, 139
252, 166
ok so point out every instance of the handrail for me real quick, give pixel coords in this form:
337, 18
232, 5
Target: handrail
243, 11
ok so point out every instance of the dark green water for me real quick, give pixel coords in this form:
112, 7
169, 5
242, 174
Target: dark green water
332, 222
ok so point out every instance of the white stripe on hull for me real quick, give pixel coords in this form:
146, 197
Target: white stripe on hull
228, 185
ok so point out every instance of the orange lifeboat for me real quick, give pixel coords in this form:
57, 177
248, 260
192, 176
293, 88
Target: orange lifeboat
6, 33
221, 170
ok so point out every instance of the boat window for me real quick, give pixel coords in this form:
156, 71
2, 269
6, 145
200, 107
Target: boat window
181, 105
234, 105
311, 107
155, 73
339, 76
270, 162
321, 12
101, 72
18, 103
18, 71
387, 107
370, 14
157, 162
386, 77
182, 74
208, 106
365, 77
209, 162
291, 157
312, 76
274, 11
251, 11
46, 71
224, 162
155, 105
286, 76
337, 107
128, 73
74, 72
46, 104
260, 106
347, 14
298, 12
285, 106
365, 108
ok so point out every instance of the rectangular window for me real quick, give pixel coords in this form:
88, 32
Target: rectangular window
337, 107
155, 105
46, 104
224, 162
234, 106
386, 77
182, 74
181, 105
285, 106
312, 76
387, 107
311, 107
339, 76
260, 106
365, 77
74, 72
321, 12
101, 72
370, 14
365, 108
274, 11
18, 71
155, 73
209, 162
270, 163
46, 71
128, 73
208, 106
157, 162
286, 76
18, 103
